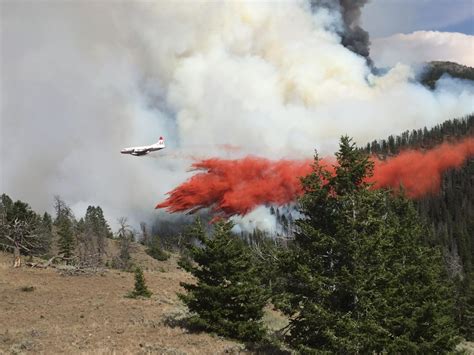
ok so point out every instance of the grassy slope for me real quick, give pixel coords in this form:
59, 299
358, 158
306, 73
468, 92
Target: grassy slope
89, 314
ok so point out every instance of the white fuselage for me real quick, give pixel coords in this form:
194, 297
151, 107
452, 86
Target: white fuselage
143, 150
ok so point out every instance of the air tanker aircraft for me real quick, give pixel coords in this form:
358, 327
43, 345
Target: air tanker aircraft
136, 151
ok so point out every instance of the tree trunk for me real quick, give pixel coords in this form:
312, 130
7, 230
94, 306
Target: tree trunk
16, 257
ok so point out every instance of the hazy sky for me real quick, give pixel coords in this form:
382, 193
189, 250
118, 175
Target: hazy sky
81, 79
387, 17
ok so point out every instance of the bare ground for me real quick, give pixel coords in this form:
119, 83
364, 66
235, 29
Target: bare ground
90, 315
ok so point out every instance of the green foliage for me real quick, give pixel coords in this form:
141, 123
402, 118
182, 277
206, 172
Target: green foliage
465, 306
450, 130
63, 211
95, 220
449, 213
5, 205
92, 232
141, 289
227, 298
190, 236
35, 237
66, 240
19, 210
185, 262
358, 278
156, 252
44, 232
47, 222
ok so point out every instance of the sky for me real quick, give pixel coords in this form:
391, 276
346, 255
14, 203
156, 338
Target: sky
412, 32
387, 17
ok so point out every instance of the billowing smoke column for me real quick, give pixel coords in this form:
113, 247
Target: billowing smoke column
353, 36
236, 187
83, 79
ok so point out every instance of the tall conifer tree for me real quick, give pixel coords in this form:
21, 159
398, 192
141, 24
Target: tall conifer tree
358, 278
227, 298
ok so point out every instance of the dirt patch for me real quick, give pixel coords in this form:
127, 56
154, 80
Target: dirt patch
90, 315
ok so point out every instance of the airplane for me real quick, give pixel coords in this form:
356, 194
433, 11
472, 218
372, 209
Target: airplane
143, 150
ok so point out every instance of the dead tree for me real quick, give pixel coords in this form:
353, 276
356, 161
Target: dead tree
20, 237
144, 238
125, 237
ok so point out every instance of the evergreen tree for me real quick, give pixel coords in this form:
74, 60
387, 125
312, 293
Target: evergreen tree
21, 229
5, 204
44, 231
66, 242
141, 289
358, 279
96, 230
465, 306
156, 251
449, 213
227, 298
47, 222
190, 236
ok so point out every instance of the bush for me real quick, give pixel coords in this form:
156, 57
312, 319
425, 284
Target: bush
27, 288
141, 289
156, 252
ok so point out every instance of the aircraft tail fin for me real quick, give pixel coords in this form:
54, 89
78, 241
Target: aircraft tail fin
161, 142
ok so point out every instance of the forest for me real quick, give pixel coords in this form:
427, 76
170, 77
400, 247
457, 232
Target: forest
361, 270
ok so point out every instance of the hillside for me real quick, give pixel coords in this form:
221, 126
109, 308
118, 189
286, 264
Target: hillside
435, 70
89, 313
449, 213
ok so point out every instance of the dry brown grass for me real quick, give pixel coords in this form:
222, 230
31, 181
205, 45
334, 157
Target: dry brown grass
90, 315
467, 347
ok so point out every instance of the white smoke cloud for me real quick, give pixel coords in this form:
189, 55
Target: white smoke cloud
264, 219
423, 46
82, 80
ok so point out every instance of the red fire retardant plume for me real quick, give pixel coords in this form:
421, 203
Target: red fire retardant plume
235, 187
238, 186
419, 172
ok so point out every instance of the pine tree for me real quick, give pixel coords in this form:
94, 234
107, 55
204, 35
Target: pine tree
47, 222
465, 306
66, 241
96, 231
45, 234
141, 289
156, 251
358, 279
191, 234
227, 298
21, 229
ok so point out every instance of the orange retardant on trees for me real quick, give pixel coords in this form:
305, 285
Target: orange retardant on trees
235, 187
419, 172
